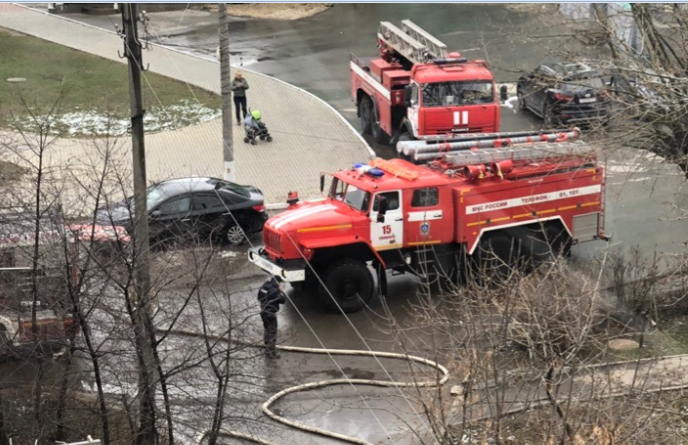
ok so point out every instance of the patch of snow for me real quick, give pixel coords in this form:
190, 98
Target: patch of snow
93, 124
510, 103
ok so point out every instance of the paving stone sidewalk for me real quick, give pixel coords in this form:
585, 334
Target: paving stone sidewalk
309, 135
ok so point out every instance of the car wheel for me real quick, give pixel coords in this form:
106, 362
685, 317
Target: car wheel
350, 284
521, 102
235, 235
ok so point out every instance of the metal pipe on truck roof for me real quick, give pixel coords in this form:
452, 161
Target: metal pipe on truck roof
500, 134
432, 140
413, 148
519, 152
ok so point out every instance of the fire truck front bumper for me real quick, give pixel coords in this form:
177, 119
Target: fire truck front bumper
289, 270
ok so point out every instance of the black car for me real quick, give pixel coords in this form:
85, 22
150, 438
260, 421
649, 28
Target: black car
565, 93
199, 208
648, 94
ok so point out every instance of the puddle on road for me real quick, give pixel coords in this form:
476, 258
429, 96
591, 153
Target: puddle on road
351, 373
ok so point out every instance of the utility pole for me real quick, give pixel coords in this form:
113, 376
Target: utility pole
225, 79
139, 304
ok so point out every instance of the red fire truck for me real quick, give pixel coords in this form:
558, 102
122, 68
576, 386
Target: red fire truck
538, 193
416, 90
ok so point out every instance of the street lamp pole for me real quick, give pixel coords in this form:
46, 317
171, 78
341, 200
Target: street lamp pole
225, 78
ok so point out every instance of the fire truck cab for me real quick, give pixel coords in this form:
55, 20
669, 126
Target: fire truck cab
439, 219
417, 90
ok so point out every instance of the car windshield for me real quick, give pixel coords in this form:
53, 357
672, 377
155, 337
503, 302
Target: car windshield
350, 194
457, 93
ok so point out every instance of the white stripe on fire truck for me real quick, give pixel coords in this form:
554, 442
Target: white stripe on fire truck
370, 79
428, 215
533, 199
298, 214
460, 117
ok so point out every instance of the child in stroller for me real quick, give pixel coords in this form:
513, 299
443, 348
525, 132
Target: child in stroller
254, 128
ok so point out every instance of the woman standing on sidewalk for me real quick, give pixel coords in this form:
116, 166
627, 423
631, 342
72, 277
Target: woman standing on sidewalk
239, 86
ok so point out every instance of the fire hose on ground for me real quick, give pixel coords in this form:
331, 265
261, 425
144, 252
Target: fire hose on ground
323, 383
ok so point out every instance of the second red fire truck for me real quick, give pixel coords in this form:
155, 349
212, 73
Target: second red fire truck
519, 196
418, 90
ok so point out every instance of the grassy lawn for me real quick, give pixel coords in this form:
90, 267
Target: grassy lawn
95, 91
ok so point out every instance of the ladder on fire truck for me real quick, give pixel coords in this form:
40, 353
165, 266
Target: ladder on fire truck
412, 42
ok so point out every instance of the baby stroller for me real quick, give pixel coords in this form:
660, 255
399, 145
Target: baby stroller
254, 128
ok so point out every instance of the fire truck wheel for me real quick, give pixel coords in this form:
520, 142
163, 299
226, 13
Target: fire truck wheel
365, 111
496, 257
350, 283
558, 239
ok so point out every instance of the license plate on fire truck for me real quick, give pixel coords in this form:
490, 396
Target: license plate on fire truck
290, 275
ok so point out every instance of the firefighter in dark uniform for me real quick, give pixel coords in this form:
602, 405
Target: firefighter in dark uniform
271, 296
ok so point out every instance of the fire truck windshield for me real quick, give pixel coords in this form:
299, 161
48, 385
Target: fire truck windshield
350, 194
447, 94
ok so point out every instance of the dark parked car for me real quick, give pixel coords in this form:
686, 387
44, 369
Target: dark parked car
647, 93
565, 93
195, 207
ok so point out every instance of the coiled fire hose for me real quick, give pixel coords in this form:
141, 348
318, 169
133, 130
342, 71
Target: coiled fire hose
323, 383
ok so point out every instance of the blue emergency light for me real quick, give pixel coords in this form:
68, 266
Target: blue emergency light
369, 170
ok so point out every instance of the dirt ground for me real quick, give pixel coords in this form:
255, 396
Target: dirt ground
274, 11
